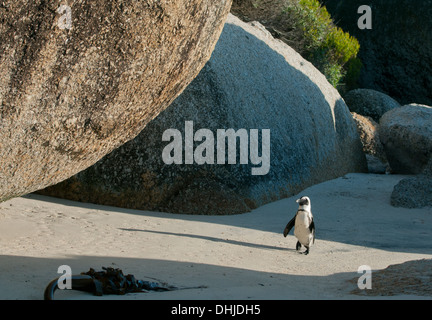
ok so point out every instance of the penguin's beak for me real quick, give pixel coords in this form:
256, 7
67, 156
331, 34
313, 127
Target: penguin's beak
298, 200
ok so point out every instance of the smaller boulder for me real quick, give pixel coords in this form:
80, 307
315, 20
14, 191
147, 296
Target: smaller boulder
414, 192
406, 134
371, 103
368, 131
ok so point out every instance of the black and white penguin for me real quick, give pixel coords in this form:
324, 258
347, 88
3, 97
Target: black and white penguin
303, 223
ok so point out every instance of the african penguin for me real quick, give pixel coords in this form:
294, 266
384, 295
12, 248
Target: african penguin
304, 227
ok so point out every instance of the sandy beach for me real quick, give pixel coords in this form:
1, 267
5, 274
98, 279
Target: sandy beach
230, 257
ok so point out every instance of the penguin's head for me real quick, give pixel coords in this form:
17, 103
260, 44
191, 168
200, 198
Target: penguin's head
303, 201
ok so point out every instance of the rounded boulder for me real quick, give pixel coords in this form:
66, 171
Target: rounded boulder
79, 80
406, 134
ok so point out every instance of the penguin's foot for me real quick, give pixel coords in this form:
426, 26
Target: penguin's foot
298, 245
307, 251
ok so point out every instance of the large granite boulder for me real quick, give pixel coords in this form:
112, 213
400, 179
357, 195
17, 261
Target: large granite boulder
78, 81
397, 51
370, 103
406, 134
252, 83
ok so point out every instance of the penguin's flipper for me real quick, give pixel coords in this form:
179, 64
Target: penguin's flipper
289, 226
312, 230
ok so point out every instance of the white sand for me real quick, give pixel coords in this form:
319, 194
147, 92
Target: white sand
236, 257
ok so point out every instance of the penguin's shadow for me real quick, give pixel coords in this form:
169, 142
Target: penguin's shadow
208, 238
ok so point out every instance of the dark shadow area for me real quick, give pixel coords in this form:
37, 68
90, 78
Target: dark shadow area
214, 239
395, 53
27, 278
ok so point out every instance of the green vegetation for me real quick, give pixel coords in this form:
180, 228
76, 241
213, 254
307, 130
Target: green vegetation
311, 31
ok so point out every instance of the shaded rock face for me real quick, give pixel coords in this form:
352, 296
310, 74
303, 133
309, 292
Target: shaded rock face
368, 130
251, 82
406, 134
397, 52
369, 103
72, 91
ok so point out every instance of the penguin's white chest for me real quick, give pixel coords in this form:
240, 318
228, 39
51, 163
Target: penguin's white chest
301, 228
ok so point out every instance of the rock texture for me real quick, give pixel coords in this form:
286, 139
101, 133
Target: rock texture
69, 96
414, 192
408, 278
252, 81
368, 130
370, 103
406, 134
397, 52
